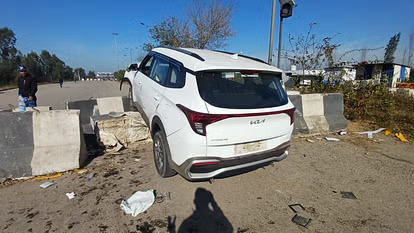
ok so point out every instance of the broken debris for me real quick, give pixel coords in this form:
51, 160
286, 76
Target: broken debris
301, 221
348, 195
332, 139
46, 184
71, 195
401, 137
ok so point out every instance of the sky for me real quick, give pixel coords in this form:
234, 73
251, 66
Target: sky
80, 32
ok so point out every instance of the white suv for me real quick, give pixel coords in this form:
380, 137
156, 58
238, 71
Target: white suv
210, 112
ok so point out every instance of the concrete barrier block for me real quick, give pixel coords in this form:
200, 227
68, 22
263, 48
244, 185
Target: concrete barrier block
86, 109
334, 111
16, 144
58, 141
316, 124
110, 104
300, 124
312, 105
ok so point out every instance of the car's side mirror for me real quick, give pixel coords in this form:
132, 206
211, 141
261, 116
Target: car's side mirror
133, 67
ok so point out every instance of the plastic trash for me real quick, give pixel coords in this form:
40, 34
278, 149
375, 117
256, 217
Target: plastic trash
46, 184
90, 176
22, 104
138, 202
387, 132
342, 133
370, 133
310, 140
401, 137
332, 139
71, 195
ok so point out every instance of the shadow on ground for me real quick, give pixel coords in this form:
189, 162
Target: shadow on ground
207, 216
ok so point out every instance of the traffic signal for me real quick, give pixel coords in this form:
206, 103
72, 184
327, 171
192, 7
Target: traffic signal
286, 8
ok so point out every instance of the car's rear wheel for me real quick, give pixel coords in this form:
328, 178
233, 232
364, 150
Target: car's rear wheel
130, 99
161, 154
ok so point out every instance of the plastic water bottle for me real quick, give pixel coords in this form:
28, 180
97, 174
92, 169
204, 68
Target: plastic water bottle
22, 104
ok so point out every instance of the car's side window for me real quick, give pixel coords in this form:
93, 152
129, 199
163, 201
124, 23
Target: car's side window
146, 65
160, 70
177, 77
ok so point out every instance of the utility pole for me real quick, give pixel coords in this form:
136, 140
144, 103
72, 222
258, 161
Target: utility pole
270, 58
279, 51
116, 48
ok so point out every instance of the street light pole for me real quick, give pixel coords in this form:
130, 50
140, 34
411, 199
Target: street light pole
116, 48
270, 58
130, 53
280, 42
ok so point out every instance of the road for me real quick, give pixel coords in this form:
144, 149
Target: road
379, 172
53, 95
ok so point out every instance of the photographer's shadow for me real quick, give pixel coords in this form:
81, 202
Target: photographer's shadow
207, 216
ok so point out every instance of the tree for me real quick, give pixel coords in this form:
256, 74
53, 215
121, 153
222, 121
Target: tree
8, 56
410, 49
91, 75
391, 48
119, 74
80, 73
33, 64
212, 23
308, 52
171, 32
205, 26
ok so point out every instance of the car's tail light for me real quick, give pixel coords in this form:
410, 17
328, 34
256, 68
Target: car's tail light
199, 121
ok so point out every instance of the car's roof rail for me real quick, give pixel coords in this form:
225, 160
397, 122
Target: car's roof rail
183, 51
241, 55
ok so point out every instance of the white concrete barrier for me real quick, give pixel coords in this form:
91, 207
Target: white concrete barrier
58, 141
37, 143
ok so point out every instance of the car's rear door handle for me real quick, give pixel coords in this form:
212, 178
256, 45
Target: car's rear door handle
156, 97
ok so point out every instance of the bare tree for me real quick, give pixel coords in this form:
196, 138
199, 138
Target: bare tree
211, 23
308, 52
410, 49
206, 26
172, 32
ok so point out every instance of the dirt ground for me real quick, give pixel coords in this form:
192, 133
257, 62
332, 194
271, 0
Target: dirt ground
379, 172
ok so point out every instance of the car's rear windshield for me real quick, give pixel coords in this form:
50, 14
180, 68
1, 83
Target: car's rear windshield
241, 89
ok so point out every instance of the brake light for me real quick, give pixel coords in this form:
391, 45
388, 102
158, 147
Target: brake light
199, 121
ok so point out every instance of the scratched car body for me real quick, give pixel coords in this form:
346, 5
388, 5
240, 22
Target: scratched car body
211, 112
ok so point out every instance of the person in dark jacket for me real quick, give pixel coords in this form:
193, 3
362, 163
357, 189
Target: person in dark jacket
27, 87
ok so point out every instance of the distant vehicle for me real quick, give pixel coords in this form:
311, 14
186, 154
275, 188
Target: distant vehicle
210, 112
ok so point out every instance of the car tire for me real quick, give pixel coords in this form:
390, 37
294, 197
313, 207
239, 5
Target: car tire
130, 100
161, 153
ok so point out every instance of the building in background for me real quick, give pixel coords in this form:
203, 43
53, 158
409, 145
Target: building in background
105, 76
391, 72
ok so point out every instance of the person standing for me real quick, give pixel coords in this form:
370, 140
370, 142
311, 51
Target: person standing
27, 87
61, 82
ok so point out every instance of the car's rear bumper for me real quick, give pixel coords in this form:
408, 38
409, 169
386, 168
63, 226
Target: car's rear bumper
207, 167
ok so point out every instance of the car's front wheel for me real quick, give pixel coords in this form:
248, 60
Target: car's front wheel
161, 154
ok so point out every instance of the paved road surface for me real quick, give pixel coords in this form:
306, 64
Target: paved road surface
53, 95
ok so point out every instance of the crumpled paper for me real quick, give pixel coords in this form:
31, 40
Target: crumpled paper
138, 202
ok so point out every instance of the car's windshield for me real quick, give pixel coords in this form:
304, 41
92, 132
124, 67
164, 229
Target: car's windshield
241, 89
